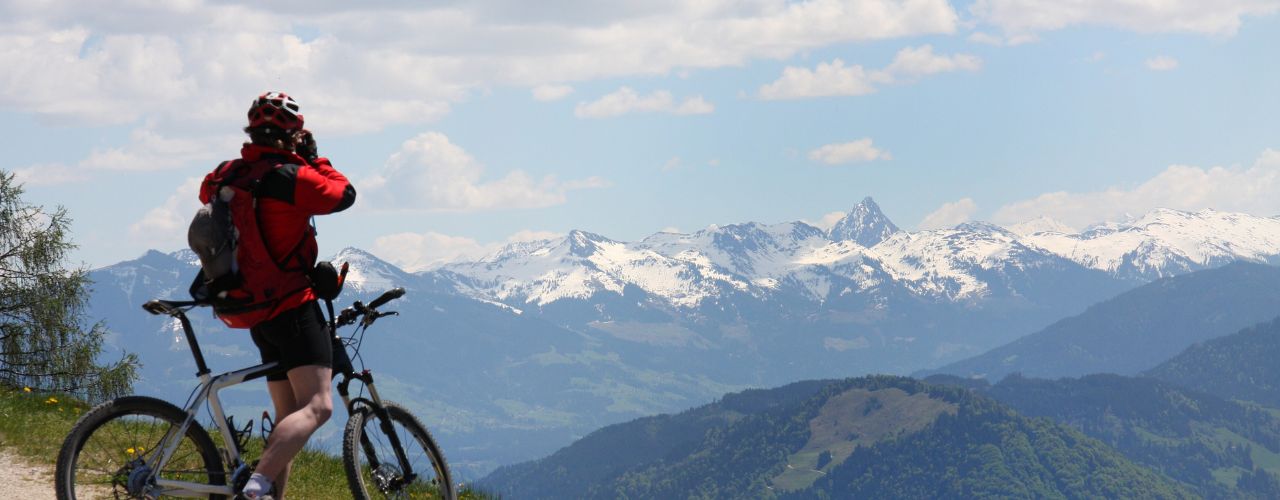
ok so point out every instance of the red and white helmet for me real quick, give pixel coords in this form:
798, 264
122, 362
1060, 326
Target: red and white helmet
275, 108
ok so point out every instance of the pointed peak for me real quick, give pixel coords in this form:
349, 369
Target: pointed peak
583, 243
865, 224
358, 257
186, 255
154, 257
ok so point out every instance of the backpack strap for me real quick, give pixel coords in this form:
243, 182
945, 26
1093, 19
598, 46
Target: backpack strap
249, 176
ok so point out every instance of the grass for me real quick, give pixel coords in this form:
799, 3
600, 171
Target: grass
33, 425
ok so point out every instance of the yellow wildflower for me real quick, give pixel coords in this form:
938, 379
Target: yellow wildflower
51, 400
26, 389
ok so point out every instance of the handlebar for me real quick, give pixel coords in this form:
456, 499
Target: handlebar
370, 312
387, 296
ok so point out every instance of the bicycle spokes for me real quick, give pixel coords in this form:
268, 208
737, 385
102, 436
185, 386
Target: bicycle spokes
113, 460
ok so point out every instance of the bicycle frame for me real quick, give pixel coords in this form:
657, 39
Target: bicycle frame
208, 390
211, 385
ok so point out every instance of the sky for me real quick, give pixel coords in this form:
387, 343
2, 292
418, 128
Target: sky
467, 125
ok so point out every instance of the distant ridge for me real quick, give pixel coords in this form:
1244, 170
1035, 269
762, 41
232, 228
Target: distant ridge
1243, 366
1138, 329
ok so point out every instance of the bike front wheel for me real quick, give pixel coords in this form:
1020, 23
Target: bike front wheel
110, 452
376, 470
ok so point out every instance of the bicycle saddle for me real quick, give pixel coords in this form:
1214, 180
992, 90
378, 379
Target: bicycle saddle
170, 307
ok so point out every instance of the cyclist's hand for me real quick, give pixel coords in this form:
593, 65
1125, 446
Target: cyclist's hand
306, 147
347, 316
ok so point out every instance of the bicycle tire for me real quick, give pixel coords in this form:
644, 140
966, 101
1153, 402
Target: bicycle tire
364, 486
127, 427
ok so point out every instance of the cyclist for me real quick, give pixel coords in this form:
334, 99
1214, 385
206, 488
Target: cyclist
302, 185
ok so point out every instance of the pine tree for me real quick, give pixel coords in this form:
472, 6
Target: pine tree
45, 342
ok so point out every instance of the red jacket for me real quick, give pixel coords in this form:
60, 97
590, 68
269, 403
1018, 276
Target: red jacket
287, 199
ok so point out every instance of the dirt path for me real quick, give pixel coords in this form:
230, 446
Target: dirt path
20, 479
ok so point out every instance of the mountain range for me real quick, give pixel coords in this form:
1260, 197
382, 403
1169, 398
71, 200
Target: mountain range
541, 342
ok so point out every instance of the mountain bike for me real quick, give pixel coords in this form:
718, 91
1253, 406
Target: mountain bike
142, 447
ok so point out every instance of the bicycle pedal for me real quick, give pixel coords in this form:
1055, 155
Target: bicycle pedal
267, 425
242, 435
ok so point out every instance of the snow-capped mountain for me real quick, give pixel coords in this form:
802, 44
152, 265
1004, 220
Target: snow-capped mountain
968, 263
367, 273
865, 225
1167, 242
1043, 224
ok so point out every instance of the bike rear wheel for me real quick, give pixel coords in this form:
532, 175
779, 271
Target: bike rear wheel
374, 470
106, 453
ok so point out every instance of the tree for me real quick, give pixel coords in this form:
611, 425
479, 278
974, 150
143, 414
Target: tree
44, 340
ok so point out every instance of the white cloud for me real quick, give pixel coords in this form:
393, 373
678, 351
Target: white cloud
531, 235
165, 226
1162, 63
861, 150
837, 79
551, 92
626, 100
985, 38
827, 221
828, 79
196, 64
671, 164
1217, 18
431, 173
1001, 41
1254, 190
423, 251
49, 175
921, 61
949, 214
146, 151
419, 252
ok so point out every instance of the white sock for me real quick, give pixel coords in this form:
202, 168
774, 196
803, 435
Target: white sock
257, 486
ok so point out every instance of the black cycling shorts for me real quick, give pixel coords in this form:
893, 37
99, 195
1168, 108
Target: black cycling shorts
297, 337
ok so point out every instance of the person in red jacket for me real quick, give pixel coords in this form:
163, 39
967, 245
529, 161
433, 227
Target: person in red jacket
302, 185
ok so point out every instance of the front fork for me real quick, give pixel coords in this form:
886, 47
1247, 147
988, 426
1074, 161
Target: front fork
374, 405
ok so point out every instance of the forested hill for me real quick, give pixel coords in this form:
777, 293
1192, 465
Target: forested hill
871, 437
1223, 449
1243, 366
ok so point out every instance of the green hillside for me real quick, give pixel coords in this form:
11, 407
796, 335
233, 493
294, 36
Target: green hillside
1243, 366
1199, 439
872, 437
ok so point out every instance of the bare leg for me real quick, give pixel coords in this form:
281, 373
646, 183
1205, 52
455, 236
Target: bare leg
285, 403
314, 403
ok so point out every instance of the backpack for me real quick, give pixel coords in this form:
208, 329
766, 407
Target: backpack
237, 275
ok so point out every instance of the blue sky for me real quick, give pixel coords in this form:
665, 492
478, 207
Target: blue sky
465, 125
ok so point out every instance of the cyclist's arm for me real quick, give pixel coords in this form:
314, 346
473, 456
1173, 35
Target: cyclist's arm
322, 189
206, 188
